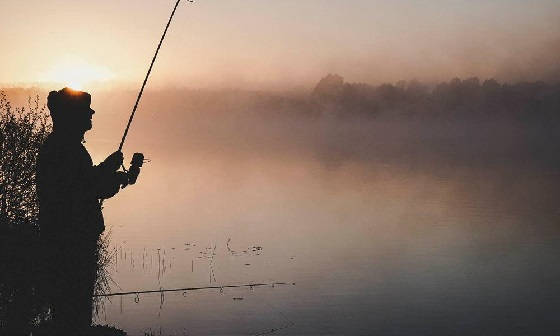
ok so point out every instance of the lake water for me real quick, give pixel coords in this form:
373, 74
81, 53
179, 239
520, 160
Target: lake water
365, 246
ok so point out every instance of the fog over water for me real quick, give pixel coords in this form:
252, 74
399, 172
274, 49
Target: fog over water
405, 210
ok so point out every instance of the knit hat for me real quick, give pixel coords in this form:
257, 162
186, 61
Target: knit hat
66, 101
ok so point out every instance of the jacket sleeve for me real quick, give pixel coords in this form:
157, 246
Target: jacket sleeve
106, 183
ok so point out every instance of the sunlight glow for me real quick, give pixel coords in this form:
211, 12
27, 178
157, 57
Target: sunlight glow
76, 73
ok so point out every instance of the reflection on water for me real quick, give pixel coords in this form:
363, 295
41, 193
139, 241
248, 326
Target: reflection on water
372, 248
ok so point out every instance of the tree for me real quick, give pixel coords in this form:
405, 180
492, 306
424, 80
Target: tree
329, 89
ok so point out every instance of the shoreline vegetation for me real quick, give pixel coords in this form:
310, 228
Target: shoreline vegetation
23, 307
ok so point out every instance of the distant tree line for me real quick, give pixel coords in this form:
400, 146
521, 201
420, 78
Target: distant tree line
457, 98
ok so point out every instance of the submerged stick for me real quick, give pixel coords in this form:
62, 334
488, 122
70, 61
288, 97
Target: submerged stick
195, 289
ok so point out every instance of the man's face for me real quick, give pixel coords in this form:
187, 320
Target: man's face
83, 118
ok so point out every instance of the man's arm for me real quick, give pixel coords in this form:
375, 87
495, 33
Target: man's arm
108, 180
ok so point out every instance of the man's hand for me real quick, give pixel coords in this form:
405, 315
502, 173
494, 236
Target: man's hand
112, 183
122, 178
113, 161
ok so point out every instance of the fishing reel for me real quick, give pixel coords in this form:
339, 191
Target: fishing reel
135, 164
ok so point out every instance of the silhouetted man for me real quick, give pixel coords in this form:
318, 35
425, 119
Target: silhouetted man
70, 188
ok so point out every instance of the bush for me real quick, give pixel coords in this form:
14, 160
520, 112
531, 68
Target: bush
22, 131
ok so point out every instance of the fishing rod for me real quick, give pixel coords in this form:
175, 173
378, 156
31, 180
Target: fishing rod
148, 74
138, 158
162, 290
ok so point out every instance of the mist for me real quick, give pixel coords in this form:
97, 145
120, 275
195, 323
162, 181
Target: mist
400, 197
274, 46
470, 121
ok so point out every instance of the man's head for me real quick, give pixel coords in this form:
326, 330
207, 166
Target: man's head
70, 110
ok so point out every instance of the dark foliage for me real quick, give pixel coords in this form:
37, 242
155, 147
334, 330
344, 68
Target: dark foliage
22, 131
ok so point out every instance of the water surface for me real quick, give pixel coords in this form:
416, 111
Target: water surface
407, 246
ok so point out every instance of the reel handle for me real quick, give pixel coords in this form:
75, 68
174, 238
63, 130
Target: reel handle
135, 165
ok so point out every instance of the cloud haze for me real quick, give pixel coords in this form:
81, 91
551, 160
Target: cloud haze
256, 44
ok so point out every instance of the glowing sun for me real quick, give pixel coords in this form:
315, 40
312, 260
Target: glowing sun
76, 73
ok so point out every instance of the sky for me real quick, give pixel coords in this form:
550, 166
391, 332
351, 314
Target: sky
276, 44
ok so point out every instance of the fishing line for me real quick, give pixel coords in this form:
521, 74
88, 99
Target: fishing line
288, 323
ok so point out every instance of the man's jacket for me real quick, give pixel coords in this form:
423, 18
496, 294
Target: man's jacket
70, 188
